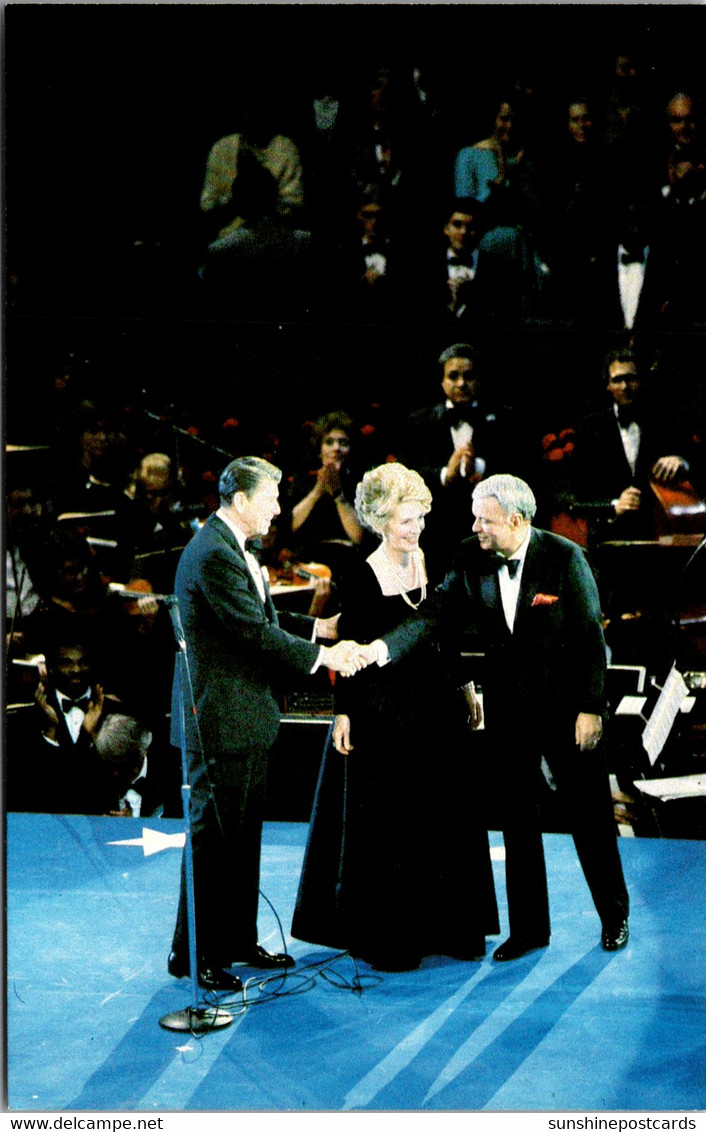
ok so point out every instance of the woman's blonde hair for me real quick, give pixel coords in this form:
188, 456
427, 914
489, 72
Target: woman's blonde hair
383, 489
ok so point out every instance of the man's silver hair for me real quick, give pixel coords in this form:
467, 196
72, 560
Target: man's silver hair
512, 494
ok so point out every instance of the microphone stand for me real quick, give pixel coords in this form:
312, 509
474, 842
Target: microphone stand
194, 1019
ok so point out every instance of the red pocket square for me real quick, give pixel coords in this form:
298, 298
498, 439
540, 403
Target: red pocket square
544, 599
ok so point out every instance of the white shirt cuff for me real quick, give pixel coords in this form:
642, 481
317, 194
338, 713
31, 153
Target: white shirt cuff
382, 656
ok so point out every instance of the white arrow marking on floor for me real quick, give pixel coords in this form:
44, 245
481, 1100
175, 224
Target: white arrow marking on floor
406, 1050
517, 1002
152, 841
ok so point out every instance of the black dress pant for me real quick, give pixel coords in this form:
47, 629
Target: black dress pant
583, 785
226, 808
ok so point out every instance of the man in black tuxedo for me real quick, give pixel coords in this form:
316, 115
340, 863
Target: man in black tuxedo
453, 444
620, 449
534, 605
53, 765
236, 648
459, 281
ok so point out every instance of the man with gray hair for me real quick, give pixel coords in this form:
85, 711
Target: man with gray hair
532, 600
236, 645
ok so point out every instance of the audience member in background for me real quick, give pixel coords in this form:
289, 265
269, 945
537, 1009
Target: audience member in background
277, 154
97, 477
258, 264
52, 763
622, 448
25, 539
572, 190
152, 523
630, 284
122, 744
324, 524
397, 865
492, 171
454, 444
458, 280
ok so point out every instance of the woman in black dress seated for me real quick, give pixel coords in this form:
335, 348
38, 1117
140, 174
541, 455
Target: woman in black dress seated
397, 864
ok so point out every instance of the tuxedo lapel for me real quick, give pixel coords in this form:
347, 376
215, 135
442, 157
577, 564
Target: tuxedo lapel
530, 584
234, 545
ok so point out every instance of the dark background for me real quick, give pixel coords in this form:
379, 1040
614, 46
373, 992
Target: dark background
110, 111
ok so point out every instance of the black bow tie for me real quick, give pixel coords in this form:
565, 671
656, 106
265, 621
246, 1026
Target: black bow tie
459, 414
632, 257
513, 564
82, 703
254, 545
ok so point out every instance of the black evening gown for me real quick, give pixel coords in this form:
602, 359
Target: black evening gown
397, 861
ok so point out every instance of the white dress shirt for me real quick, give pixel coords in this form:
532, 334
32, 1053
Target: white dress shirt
75, 717
631, 276
510, 587
630, 437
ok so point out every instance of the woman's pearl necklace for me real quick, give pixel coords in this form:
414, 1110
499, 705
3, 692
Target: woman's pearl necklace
397, 574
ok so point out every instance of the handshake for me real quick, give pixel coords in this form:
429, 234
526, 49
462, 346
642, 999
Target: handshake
347, 657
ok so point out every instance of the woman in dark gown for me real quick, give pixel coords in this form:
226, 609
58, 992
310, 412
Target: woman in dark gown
397, 864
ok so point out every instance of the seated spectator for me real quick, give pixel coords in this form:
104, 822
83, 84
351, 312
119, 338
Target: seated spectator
493, 172
52, 762
258, 265
277, 154
25, 537
122, 744
153, 525
462, 282
621, 449
96, 478
74, 595
324, 524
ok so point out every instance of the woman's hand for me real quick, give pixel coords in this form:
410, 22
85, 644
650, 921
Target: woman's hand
342, 734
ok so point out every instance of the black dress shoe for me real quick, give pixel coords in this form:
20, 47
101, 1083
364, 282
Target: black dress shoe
210, 978
613, 939
265, 960
515, 948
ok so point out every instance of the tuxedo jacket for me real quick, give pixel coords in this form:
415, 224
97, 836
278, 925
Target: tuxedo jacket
493, 298
426, 443
603, 307
553, 665
67, 778
601, 470
235, 648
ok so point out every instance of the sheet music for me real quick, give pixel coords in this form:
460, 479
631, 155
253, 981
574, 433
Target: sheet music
660, 722
667, 789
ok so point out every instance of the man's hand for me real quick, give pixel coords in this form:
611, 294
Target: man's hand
92, 718
342, 734
589, 729
51, 719
667, 468
327, 627
475, 709
460, 457
629, 500
347, 657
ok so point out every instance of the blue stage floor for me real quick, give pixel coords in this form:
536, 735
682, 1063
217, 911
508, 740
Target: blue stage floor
569, 1028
